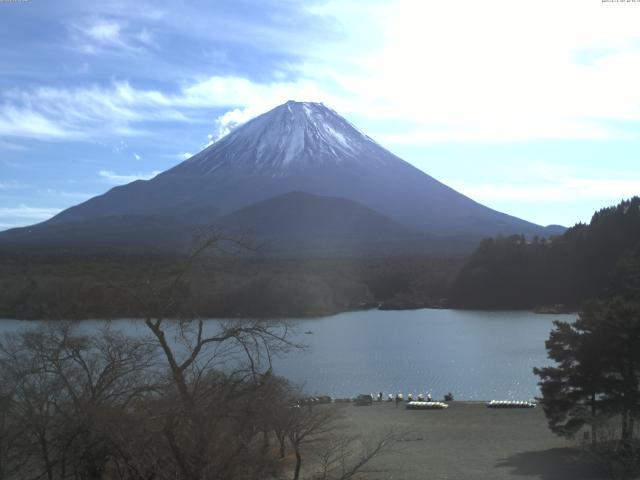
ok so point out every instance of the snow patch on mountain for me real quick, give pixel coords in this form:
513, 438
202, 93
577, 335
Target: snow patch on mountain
292, 136
341, 139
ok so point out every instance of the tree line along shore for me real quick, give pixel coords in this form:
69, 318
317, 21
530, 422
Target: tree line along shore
514, 272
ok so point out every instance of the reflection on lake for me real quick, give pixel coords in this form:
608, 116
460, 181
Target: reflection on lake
475, 355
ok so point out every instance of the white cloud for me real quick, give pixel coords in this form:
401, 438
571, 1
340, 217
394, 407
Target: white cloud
104, 32
230, 120
118, 179
496, 70
499, 69
136, 156
494, 74
186, 155
491, 71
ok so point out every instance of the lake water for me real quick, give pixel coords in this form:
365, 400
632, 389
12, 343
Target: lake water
475, 355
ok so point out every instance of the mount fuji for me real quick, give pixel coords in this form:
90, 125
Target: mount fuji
296, 163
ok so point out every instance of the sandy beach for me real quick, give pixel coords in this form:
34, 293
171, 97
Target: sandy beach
470, 441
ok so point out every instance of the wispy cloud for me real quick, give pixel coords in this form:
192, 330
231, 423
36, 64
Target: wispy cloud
9, 184
84, 113
56, 193
29, 123
99, 35
119, 179
120, 147
95, 112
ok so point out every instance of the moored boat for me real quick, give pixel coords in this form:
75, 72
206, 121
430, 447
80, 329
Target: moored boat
511, 404
426, 406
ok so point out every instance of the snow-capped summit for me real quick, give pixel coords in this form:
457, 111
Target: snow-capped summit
294, 135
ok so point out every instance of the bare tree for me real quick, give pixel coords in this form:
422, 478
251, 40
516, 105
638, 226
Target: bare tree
190, 399
69, 393
318, 430
214, 368
12, 453
346, 456
308, 425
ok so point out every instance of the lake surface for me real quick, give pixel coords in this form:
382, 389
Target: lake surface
475, 355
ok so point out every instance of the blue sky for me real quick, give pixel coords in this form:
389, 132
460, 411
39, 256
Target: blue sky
532, 108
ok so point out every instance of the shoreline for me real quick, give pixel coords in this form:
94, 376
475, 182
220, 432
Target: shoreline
305, 317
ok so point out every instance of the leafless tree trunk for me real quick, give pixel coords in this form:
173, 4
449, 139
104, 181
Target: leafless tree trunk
71, 392
307, 426
243, 347
346, 456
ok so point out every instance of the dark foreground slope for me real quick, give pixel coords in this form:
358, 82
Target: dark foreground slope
513, 272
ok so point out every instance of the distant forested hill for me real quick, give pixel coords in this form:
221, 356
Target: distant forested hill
76, 286
513, 272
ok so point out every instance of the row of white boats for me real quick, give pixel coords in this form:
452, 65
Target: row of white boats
492, 404
511, 404
400, 397
422, 402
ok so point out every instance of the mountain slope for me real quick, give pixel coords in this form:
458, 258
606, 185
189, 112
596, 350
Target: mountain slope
302, 147
305, 223
296, 222
128, 232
